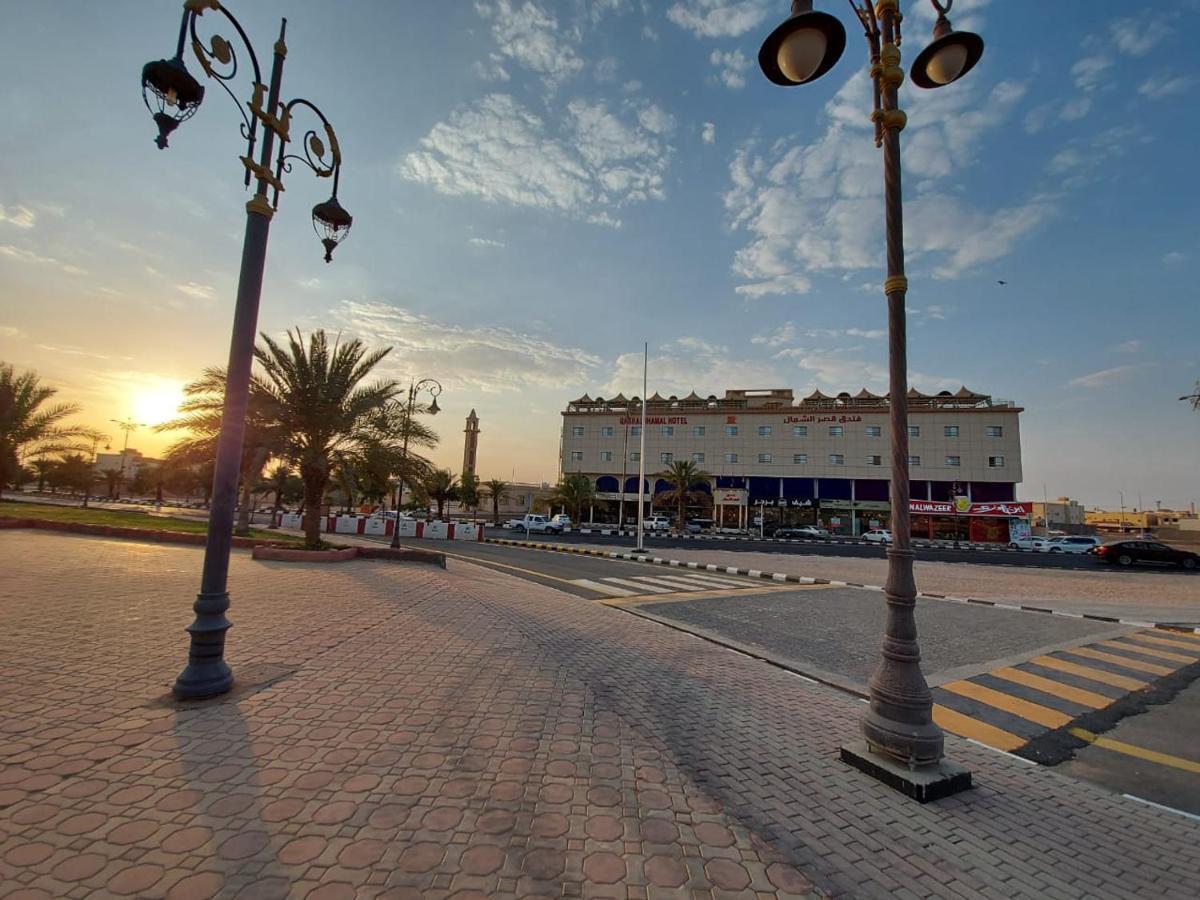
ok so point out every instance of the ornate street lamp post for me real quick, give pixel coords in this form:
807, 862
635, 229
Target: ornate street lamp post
172, 95
433, 388
903, 745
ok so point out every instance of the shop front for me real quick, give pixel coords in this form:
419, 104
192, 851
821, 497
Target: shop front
960, 519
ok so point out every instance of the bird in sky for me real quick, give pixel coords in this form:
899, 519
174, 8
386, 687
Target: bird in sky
1001, 282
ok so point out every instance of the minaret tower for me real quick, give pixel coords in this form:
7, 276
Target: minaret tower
470, 444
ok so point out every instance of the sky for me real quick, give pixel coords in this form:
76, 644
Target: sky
539, 187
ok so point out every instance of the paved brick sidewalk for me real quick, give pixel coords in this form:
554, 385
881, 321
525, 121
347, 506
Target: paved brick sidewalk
463, 733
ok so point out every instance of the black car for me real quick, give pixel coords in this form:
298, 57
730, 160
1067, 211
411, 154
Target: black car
1126, 553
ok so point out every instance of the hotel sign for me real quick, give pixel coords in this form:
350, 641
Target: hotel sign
993, 510
805, 420
654, 420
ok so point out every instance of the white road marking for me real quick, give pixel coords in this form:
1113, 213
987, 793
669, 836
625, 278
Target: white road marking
602, 588
641, 586
692, 584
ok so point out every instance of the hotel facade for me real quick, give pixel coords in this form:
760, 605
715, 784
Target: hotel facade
817, 460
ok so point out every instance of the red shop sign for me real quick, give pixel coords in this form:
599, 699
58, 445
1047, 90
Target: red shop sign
1011, 510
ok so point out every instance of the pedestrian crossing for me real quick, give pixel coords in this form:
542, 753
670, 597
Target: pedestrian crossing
650, 585
1011, 706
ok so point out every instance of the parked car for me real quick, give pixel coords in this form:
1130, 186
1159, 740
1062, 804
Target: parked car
656, 523
1033, 542
1126, 553
802, 532
1073, 544
562, 520
695, 526
878, 536
535, 524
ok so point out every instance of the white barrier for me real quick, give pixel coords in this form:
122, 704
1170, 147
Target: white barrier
346, 525
375, 525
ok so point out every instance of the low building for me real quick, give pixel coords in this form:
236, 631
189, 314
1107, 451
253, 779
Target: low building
821, 459
1062, 514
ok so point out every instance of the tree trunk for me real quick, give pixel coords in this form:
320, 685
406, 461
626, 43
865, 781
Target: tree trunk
242, 529
314, 490
495, 510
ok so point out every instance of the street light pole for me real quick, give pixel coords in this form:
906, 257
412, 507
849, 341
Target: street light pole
434, 388
903, 745
173, 96
126, 426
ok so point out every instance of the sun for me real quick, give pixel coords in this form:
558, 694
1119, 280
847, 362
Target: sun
153, 404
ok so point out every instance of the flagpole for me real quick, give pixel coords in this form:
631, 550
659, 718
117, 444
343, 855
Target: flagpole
641, 532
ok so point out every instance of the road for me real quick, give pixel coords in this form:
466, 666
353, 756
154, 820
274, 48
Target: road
1116, 705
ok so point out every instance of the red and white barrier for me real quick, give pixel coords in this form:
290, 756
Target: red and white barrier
381, 527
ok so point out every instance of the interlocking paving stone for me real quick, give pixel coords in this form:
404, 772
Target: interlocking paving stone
519, 722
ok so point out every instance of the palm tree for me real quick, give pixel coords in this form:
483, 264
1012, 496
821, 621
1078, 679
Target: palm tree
681, 477
1194, 397
315, 396
28, 429
469, 494
112, 479
497, 489
277, 481
442, 486
43, 466
574, 492
399, 432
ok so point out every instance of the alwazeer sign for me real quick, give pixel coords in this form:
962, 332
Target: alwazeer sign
997, 510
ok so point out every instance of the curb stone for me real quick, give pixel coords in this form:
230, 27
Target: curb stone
802, 579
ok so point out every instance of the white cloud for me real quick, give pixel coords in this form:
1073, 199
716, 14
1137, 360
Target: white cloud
720, 18
12, 331
1162, 86
531, 37
483, 357
1138, 36
690, 364
1088, 72
485, 242
492, 69
818, 207
1105, 377
708, 133
967, 15
18, 216
784, 334
1076, 109
1132, 346
869, 333
498, 150
732, 65
20, 254
1174, 257
195, 290
605, 71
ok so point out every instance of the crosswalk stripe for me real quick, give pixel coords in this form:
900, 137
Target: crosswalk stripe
640, 586
1123, 661
1163, 641
965, 726
687, 584
1062, 665
1047, 686
1148, 651
705, 580
602, 588
1034, 712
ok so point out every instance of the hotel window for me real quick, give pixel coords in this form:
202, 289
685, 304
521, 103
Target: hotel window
874, 460
836, 459
874, 431
731, 430
914, 430
577, 431
635, 456
605, 456
668, 431
799, 431
996, 462
576, 455
951, 431
764, 430
606, 431
764, 457
994, 431
836, 431
731, 457
799, 459
698, 431
914, 460
635, 431
953, 460
697, 457
666, 458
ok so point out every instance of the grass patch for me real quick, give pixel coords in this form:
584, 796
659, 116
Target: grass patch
124, 519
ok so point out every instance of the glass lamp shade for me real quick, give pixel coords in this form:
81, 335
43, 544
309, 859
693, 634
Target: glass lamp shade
951, 56
171, 94
332, 224
434, 409
803, 48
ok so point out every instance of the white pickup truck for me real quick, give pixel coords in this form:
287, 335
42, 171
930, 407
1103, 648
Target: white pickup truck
535, 524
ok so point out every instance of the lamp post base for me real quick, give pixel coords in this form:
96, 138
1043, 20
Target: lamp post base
923, 784
207, 674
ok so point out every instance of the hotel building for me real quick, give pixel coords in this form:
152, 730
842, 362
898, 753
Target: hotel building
822, 459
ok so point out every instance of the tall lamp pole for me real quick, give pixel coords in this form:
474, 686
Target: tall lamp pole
434, 388
903, 745
641, 516
172, 95
126, 425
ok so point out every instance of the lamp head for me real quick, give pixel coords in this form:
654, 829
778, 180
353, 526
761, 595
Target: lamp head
951, 56
803, 48
171, 94
434, 409
332, 224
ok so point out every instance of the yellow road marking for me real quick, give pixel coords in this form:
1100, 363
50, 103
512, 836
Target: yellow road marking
1185, 635
684, 596
1034, 712
1166, 759
1045, 685
1166, 642
965, 726
1121, 681
1123, 661
1148, 651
